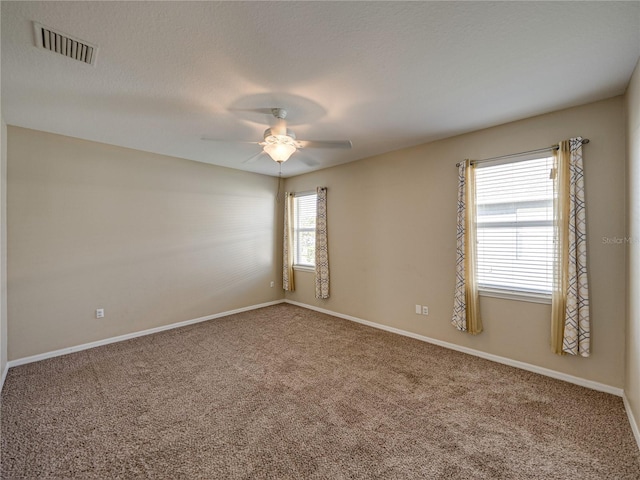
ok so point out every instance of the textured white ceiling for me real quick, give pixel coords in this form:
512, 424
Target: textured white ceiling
385, 75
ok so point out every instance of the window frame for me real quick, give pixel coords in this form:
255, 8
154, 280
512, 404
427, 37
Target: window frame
294, 231
509, 292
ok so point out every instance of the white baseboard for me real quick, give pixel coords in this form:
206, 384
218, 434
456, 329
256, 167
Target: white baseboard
506, 361
128, 336
488, 356
632, 420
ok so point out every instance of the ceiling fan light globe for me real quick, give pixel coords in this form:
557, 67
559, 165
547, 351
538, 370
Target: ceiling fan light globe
280, 152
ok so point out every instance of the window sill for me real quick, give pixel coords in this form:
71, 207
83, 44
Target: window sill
518, 296
304, 268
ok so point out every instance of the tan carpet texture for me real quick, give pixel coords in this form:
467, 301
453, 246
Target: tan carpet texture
287, 393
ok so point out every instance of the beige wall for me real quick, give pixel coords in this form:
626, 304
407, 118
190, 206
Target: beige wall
632, 384
3, 247
391, 223
156, 240
152, 239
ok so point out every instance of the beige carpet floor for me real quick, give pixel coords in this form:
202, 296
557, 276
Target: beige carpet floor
288, 393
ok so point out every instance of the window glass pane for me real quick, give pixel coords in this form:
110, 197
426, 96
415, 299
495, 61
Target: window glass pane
515, 226
304, 228
306, 248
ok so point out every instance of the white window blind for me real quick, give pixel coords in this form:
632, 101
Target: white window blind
515, 231
304, 229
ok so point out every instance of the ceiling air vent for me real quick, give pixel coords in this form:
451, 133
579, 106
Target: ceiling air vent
64, 44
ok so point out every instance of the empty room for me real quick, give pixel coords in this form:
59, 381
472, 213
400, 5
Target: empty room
320, 240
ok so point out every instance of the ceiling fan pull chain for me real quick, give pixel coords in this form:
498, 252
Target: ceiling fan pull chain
279, 183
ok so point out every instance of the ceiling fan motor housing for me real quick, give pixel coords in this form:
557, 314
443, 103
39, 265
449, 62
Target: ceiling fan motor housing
268, 135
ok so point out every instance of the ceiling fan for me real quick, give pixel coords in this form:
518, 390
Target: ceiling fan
280, 142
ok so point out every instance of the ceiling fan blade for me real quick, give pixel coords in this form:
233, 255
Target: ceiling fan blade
325, 143
266, 111
211, 139
253, 158
308, 161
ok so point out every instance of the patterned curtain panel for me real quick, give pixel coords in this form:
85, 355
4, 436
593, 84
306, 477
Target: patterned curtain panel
287, 251
570, 323
466, 306
322, 245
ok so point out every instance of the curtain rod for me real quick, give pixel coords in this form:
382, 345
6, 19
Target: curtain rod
552, 147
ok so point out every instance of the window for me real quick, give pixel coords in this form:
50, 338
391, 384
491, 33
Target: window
515, 233
304, 229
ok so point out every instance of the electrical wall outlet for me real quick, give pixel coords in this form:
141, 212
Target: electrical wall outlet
99, 312
418, 309
272, 284
425, 310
